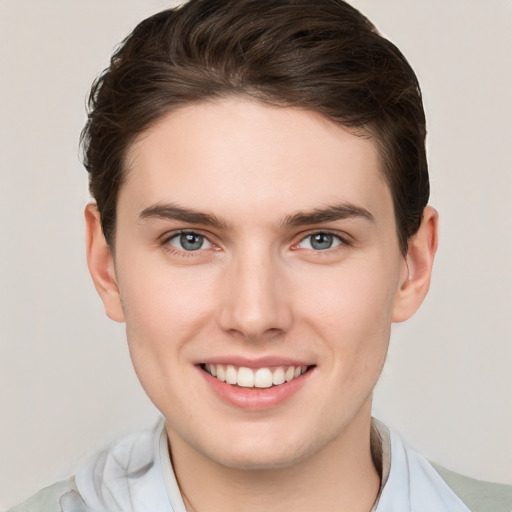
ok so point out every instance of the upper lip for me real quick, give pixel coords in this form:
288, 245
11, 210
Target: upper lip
260, 362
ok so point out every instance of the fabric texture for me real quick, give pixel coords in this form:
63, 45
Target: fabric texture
479, 496
135, 474
49, 498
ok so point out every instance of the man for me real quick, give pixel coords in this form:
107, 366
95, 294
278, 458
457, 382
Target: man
260, 220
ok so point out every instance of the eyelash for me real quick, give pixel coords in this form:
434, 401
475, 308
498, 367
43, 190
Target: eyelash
166, 242
342, 241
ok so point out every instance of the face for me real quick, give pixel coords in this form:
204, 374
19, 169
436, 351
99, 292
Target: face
256, 245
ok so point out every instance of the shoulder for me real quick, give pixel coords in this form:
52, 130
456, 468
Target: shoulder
54, 498
479, 496
128, 471
414, 483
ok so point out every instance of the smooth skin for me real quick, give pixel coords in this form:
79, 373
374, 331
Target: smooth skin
265, 269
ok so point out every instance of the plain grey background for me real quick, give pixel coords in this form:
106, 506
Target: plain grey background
66, 379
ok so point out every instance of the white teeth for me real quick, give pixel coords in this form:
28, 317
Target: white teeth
245, 377
231, 374
221, 373
278, 377
263, 378
260, 378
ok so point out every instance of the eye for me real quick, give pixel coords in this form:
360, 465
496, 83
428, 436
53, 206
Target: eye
189, 241
320, 241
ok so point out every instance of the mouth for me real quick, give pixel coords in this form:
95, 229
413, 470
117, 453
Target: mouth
266, 377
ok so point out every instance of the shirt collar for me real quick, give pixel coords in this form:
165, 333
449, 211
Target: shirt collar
135, 475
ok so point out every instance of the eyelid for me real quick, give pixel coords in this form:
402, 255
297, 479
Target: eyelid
345, 238
170, 235
178, 236
183, 231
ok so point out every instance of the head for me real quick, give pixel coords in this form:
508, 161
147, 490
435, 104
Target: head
321, 56
260, 179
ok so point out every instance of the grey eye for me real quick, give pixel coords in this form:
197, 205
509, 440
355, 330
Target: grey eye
320, 241
189, 241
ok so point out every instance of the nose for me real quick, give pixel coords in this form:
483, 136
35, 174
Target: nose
255, 303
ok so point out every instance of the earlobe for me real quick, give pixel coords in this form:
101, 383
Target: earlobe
101, 264
418, 267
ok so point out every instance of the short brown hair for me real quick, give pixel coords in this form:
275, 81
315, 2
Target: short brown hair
321, 55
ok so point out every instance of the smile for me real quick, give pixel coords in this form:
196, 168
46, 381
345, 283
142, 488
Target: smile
254, 378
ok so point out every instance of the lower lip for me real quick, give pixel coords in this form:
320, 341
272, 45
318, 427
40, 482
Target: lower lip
255, 399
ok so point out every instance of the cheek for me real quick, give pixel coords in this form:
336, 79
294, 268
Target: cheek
164, 309
164, 312
356, 297
351, 308
160, 296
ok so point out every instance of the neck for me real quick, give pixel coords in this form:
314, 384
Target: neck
340, 476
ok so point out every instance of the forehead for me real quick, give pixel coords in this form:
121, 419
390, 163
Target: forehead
239, 154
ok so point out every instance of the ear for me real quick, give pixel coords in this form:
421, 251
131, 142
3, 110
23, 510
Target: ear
418, 267
101, 264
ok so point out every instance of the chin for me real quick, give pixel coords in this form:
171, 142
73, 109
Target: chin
263, 453
258, 461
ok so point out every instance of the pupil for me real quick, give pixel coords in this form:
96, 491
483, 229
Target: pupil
191, 242
321, 241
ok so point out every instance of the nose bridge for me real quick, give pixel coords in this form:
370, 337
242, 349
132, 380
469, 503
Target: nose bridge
255, 302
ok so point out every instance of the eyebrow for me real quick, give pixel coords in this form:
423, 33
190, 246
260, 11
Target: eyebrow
316, 216
328, 214
175, 212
